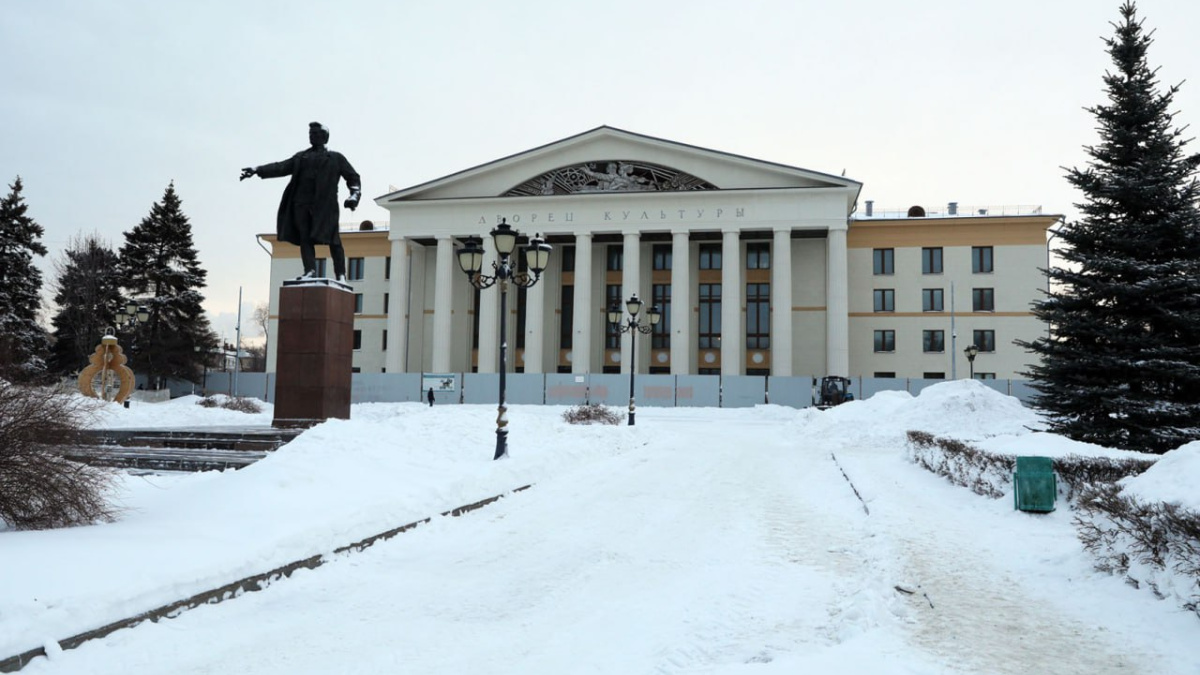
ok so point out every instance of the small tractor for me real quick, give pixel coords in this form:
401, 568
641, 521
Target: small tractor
833, 391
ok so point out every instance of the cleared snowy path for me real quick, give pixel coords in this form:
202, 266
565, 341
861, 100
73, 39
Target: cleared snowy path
749, 554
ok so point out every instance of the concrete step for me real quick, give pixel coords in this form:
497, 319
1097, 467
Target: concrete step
162, 459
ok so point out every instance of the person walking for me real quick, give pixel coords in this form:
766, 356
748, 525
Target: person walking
430, 397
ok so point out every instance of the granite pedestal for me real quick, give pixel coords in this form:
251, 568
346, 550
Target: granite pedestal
314, 353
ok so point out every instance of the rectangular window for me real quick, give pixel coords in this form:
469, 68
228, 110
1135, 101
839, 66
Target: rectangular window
932, 300
983, 300
357, 340
885, 340
933, 340
934, 375
931, 260
885, 260
358, 303
355, 269
567, 317
885, 373
885, 300
985, 376
981, 259
710, 256
567, 253
387, 267
662, 256
385, 339
612, 332
386, 298
321, 267
522, 314
758, 255
475, 297
355, 369
985, 340
615, 258
661, 298
710, 316
758, 316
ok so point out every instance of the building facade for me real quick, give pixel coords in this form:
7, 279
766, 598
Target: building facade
757, 268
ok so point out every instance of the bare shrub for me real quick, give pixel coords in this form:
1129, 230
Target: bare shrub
591, 413
1145, 542
237, 403
242, 404
38, 488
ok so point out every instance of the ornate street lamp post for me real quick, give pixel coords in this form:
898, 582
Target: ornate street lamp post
971, 351
470, 259
631, 326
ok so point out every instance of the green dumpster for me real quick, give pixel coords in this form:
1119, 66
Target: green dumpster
1034, 486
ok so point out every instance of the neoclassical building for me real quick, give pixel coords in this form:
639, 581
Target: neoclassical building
757, 268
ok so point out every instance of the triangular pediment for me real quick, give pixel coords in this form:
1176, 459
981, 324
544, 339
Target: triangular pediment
610, 160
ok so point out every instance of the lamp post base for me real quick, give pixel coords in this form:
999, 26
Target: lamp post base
501, 444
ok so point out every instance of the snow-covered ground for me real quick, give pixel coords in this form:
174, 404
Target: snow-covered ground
698, 541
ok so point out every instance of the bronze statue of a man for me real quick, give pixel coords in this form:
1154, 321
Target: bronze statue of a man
308, 212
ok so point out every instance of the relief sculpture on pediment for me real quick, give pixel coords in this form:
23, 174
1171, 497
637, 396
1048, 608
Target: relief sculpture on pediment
609, 176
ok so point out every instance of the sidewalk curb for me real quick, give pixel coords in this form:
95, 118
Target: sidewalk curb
230, 591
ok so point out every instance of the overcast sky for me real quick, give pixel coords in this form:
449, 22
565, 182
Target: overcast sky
924, 102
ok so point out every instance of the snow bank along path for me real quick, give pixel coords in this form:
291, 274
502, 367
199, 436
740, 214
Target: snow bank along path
747, 549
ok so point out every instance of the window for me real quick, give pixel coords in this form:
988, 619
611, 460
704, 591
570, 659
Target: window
355, 369
885, 340
662, 256
710, 316
612, 332
386, 298
934, 375
384, 339
358, 303
758, 255
615, 258
885, 373
522, 314
885, 300
475, 319
933, 340
985, 376
567, 253
981, 259
758, 316
931, 260
567, 317
983, 300
931, 300
321, 267
710, 256
355, 268
661, 297
387, 267
357, 340
985, 340
885, 261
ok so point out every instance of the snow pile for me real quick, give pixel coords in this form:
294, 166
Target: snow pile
184, 411
1174, 479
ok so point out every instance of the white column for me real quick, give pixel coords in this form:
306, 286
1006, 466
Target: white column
443, 304
682, 358
397, 318
732, 333
631, 282
535, 330
837, 305
781, 304
489, 328
581, 323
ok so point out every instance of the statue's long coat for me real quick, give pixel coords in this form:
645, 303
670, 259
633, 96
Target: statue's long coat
313, 187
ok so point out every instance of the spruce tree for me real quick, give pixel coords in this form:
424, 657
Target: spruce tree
1121, 364
23, 343
88, 295
160, 270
